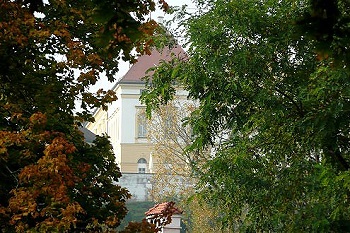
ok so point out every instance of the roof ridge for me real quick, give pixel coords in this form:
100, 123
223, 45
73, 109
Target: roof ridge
164, 208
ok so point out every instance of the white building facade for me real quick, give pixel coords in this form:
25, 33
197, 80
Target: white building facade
126, 124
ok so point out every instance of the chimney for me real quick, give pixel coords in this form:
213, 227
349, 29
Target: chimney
160, 19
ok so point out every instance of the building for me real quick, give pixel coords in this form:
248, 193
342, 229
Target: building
166, 217
126, 124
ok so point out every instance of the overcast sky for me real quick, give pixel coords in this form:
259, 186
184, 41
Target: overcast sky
174, 3
124, 67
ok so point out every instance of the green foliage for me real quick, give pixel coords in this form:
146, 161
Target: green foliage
272, 80
136, 212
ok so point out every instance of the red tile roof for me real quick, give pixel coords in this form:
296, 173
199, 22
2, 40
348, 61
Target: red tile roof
163, 208
145, 62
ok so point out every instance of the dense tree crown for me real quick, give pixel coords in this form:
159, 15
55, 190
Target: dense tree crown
51, 52
272, 80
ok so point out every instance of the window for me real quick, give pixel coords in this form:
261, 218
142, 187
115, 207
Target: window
142, 170
141, 165
170, 122
141, 122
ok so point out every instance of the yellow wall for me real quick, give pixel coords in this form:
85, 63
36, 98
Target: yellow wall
131, 153
99, 126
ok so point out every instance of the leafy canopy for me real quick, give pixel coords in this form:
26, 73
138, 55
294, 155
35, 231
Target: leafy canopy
272, 80
51, 52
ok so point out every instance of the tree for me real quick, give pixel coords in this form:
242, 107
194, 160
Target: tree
170, 139
272, 81
51, 180
174, 173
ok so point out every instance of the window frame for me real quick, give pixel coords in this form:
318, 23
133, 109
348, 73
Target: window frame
141, 122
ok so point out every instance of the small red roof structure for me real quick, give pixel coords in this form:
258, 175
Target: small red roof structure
166, 217
163, 208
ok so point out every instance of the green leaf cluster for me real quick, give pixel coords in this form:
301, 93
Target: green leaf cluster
272, 80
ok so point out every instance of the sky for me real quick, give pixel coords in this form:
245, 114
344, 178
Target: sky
123, 66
